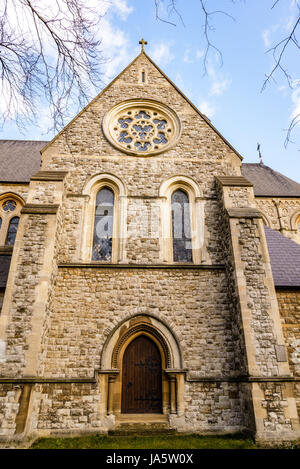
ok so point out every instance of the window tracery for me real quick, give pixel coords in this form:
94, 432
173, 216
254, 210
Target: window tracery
141, 127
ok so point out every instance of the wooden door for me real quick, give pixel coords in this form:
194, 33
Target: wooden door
142, 378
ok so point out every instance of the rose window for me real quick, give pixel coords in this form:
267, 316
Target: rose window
141, 129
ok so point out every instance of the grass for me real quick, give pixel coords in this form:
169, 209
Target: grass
147, 442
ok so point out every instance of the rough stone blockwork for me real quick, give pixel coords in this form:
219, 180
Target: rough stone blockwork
23, 295
89, 303
66, 407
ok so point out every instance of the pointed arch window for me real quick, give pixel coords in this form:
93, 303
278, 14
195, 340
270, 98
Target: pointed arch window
181, 227
182, 221
103, 225
12, 231
10, 209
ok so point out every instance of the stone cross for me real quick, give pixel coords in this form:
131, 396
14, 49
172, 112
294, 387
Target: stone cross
144, 43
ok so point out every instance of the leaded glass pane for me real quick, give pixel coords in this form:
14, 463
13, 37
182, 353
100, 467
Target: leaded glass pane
12, 231
103, 228
9, 206
181, 227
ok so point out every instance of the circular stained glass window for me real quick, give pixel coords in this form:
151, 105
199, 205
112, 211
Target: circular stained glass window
141, 127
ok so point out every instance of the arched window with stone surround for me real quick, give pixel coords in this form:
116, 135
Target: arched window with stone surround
181, 227
103, 225
104, 220
182, 221
10, 208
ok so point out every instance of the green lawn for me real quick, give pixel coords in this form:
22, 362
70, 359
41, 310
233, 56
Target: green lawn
147, 442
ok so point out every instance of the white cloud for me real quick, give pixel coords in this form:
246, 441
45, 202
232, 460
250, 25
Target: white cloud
296, 103
121, 8
162, 53
219, 83
191, 57
266, 38
199, 54
219, 87
115, 46
207, 109
182, 86
186, 58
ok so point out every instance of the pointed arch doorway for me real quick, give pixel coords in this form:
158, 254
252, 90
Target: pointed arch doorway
141, 377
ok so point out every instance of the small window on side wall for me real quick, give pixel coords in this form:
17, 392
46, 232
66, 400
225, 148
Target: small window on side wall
12, 231
181, 227
10, 208
103, 225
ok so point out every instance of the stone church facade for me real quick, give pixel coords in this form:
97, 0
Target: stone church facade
143, 274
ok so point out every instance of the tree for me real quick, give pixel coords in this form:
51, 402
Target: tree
278, 51
48, 49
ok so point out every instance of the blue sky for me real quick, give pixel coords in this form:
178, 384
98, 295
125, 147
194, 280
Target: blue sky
229, 93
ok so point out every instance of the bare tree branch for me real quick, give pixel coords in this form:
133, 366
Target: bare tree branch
282, 46
47, 53
172, 10
207, 26
279, 51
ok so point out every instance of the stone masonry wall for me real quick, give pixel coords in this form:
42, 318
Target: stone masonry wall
289, 307
214, 407
20, 189
83, 151
23, 295
88, 303
68, 406
9, 406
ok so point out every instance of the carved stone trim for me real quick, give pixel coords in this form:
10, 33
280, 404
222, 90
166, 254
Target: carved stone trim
141, 127
40, 209
234, 181
102, 265
49, 176
141, 327
244, 212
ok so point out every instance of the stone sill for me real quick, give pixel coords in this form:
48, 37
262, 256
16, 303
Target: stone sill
6, 250
40, 209
102, 265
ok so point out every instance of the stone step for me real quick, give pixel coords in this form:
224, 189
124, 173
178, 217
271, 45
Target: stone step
137, 429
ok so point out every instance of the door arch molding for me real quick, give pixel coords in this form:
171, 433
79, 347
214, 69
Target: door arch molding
149, 324
171, 360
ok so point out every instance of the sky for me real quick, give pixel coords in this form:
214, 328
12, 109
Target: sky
229, 89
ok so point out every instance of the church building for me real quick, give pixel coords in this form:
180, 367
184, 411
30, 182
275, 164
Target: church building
148, 277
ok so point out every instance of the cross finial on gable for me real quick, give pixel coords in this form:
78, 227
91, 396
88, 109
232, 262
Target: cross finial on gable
144, 43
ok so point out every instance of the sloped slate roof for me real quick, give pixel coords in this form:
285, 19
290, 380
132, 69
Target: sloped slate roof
285, 259
19, 159
268, 182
